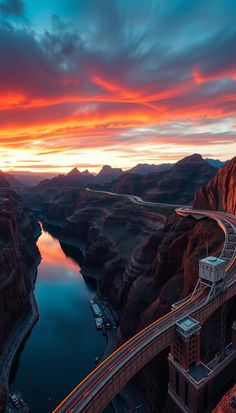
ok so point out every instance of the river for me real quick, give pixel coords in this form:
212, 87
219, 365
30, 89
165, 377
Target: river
64, 343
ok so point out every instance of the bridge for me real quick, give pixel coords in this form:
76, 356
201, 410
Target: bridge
95, 392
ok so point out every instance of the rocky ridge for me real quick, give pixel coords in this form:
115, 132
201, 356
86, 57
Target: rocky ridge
177, 185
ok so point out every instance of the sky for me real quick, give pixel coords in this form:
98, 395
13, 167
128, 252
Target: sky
91, 82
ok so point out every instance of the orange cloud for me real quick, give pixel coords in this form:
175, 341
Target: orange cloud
201, 78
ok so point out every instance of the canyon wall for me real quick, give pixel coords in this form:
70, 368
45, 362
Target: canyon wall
220, 192
18, 255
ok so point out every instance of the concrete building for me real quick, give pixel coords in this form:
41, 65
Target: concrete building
211, 274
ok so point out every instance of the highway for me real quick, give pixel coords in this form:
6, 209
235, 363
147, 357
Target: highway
137, 200
80, 398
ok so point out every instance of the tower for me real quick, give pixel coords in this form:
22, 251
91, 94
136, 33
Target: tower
184, 359
211, 274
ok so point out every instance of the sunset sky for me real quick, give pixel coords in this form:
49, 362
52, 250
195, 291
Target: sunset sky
120, 82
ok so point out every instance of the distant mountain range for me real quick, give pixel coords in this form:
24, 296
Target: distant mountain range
76, 178
8, 180
176, 185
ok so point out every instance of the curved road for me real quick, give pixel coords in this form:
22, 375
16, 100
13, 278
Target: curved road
82, 395
137, 200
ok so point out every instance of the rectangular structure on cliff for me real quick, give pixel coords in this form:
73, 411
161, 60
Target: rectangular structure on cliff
211, 269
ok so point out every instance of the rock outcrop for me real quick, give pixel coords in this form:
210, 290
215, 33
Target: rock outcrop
18, 254
220, 192
107, 174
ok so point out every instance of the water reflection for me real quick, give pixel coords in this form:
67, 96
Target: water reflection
54, 259
64, 343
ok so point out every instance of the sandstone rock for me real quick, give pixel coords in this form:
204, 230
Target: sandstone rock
220, 192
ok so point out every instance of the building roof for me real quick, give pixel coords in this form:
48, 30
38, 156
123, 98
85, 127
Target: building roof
187, 323
199, 372
212, 261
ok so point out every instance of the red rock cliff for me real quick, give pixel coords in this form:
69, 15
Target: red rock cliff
220, 192
18, 254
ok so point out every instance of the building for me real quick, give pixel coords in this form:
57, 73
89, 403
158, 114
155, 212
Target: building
195, 387
211, 274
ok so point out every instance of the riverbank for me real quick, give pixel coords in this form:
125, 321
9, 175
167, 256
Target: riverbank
18, 336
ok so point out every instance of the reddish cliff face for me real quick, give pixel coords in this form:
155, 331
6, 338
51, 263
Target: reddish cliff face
18, 254
220, 192
224, 405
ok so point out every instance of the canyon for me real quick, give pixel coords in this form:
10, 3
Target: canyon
144, 257
147, 258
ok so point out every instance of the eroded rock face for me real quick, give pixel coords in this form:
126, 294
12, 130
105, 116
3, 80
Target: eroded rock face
220, 192
18, 254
